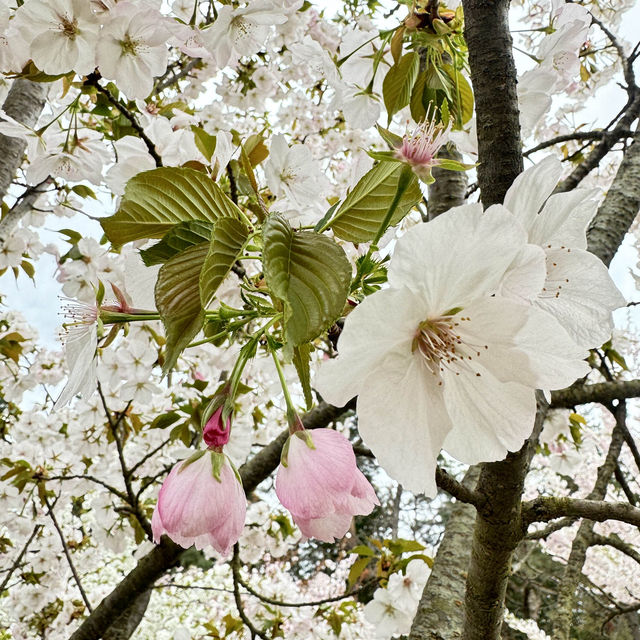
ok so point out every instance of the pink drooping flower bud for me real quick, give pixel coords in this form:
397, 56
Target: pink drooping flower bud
216, 432
319, 483
201, 503
419, 148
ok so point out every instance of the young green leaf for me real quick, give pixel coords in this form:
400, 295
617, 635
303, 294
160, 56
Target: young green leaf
229, 237
178, 300
156, 200
180, 237
364, 209
310, 274
398, 83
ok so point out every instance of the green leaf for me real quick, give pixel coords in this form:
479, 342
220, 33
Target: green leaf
165, 420
418, 111
310, 274
178, 300
205, 142
364, 209
156, 200
356, 571
301, 357
228, 239
398, 83
363, 550
461, 103
454, 165
180, 237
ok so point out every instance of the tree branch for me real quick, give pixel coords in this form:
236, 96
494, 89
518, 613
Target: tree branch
602, 392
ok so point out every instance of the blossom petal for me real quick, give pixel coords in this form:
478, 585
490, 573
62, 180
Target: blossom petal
434, 257
518, 343
381, 323
531, 188
564, 219
526, 275
489, 417
401, 417
581, 295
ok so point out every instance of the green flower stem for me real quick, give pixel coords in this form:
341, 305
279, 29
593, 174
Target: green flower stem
291, 411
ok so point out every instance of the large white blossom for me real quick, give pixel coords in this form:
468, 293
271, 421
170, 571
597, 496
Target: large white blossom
438, 360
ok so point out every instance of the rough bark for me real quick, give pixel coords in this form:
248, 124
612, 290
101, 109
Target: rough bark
498, 527
493, 75
620, 207
573, 571
125, 625
449, 188
440, 614
165, 556
24, 103
19, 210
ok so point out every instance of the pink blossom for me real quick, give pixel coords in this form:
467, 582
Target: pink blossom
201, 503
319, 483
419, 148
216, 432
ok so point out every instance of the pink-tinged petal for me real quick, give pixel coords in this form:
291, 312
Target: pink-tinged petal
433, 258
321, 486
401, 417
531, 188
489, 418
581, 295
326, 529
380, 324
196, 508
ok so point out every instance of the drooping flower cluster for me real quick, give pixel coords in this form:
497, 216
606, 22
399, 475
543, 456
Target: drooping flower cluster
477, 316
202, 502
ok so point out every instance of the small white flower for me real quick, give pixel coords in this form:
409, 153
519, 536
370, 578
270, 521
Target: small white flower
133, 49
383, 612
294, 175
242, 32
62, 34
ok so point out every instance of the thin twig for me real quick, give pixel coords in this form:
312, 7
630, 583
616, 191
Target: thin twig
235, 568
92, 81
16, 562
65, 548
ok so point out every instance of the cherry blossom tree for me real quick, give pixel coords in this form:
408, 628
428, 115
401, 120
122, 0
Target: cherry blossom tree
341, 353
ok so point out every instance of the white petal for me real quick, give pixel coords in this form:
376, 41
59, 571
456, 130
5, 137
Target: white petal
384, 322
489, 417
531, 188
526, 275
518, 343
459, 256
564, 219
402, 418
581, 295
80, 351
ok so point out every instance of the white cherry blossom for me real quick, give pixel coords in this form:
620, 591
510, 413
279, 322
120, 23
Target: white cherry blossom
438, 360
62, 34
132, 49
578, 289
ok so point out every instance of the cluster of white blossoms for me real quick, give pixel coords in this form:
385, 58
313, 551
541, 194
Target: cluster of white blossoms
393, 608
482, 309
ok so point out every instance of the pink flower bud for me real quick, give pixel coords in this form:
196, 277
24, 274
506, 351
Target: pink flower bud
215, 433
319, 483
201, 503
